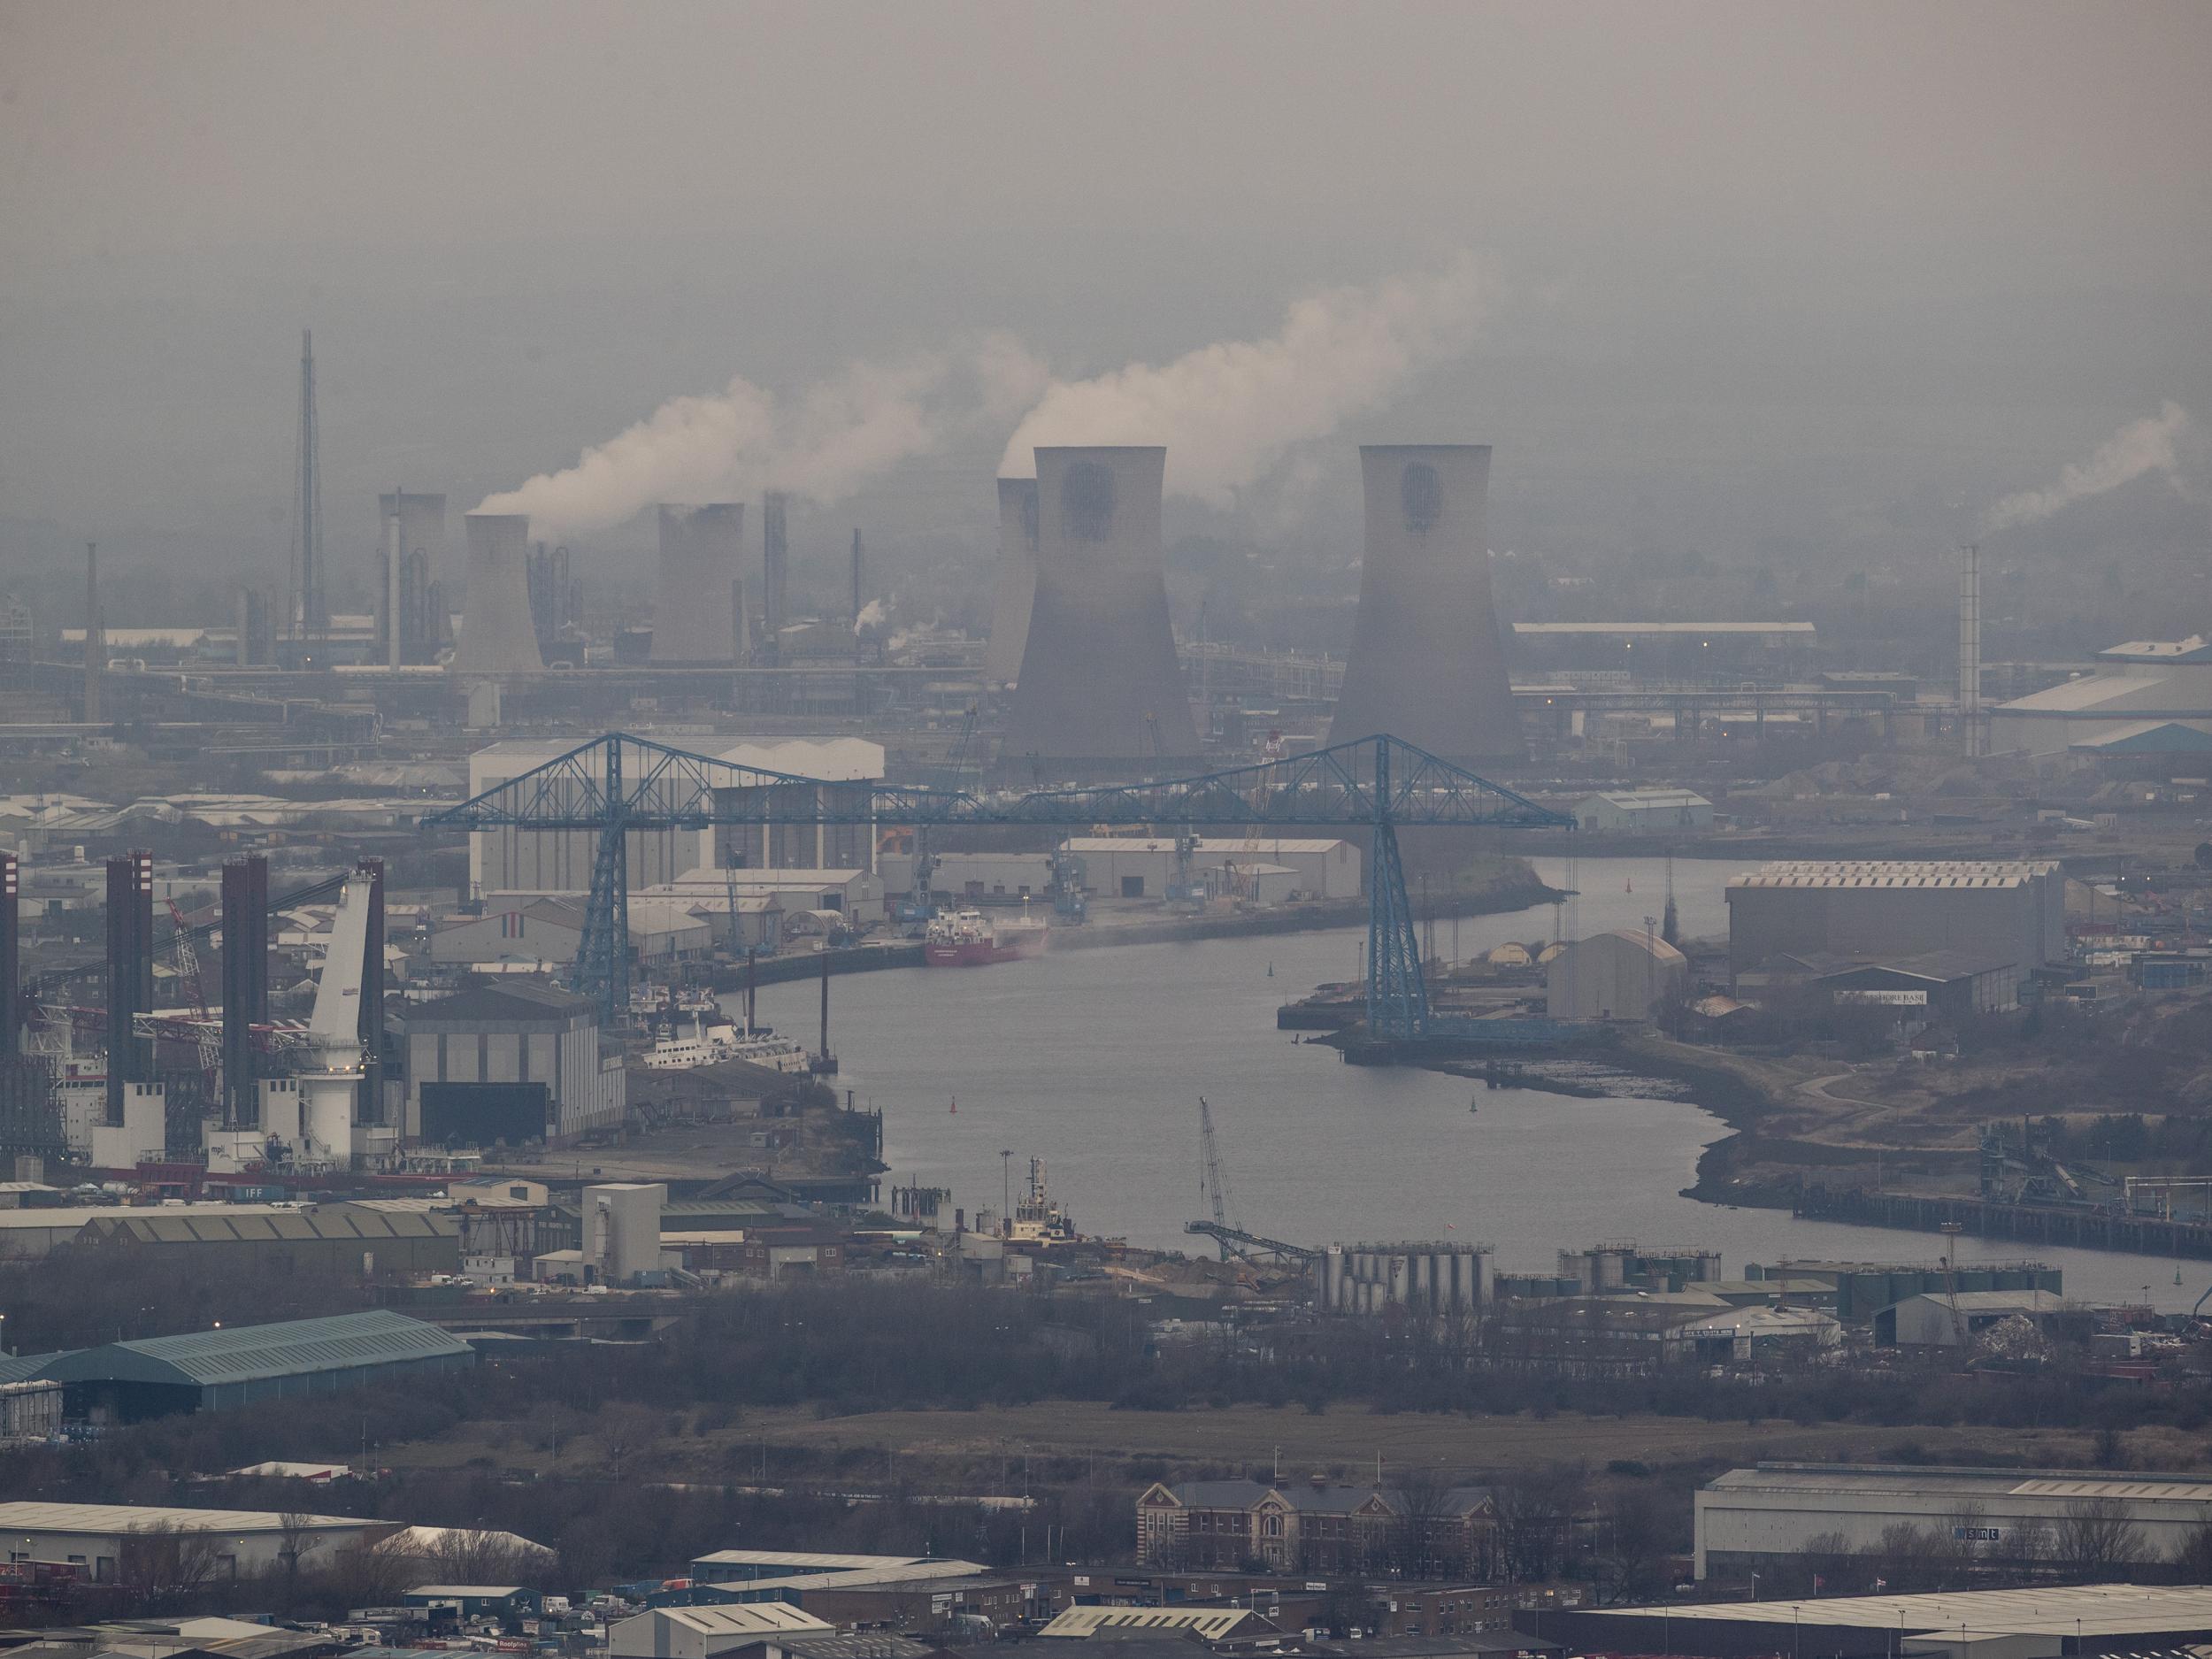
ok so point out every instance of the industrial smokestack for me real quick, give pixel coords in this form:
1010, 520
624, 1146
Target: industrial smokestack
422, 547
394, 557
496, 633
130, 964
775, 564
702, 549
96, 647
1971, 647
859, 571
245, 983
1426, 664
1099, 679
1016, 586
11, 961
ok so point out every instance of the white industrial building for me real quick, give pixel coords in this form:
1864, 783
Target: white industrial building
1643, 811
487, 1063
98, 1537
1749, 1518
1431, 1278
1144, 867
1623, 974
856, 894
1997, 911
704, 1632
2143, 680
560, 861
522, 934
977, 878
622, 1229
1955, 1318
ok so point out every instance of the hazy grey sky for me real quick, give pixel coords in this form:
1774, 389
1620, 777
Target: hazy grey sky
1773, 275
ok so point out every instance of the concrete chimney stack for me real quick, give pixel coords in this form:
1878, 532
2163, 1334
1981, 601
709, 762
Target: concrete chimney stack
96, 644
702, 549
1426, 664
775, 569
1099, 680
1016, 588
395, 556
496, 633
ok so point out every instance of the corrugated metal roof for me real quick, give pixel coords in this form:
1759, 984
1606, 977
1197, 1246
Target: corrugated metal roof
1946, 1481
250, 1353
1210, 1624
743, 1619
125, 1518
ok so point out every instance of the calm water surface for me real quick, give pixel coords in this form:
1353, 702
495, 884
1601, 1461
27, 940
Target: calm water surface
1094, 1060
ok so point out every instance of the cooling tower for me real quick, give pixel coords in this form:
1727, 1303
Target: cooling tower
1016, 580
497, 636
1426, 664
1099, 679
701, 550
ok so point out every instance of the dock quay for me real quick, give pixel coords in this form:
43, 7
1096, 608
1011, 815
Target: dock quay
2084, 1226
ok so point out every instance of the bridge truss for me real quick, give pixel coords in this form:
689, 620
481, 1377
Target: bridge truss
617, 784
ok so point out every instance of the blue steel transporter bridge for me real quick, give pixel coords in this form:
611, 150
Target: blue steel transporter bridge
619, 783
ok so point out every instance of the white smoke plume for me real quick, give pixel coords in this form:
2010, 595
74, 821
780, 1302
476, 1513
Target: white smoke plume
822, 444
2141, 447
1229, 411
872, 615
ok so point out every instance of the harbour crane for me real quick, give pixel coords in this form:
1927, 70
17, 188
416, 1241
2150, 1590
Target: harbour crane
1210, 1179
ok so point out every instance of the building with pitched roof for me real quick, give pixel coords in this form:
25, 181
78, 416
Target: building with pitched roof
206, 1371
1312, 1526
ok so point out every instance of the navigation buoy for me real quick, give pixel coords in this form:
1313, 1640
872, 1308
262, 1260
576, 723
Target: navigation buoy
956, 1102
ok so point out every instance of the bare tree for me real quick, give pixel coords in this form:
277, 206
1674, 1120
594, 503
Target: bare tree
1535, 1509
162, 1564
2192, 1556
1632, 1555
2096, 1538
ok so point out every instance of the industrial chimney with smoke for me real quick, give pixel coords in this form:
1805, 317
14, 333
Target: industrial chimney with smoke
497, 636
701, 549
1426, 664
1017, 583
1099, 679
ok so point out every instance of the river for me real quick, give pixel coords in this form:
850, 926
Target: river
1094, 1061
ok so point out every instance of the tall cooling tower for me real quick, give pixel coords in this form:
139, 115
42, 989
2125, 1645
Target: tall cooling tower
497, 636
1016, 586
1426, 664
701, 550
1099, 679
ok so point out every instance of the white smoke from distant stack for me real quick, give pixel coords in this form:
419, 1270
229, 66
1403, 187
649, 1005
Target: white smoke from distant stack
822, 444
872, 615
1228, 413
2138, 449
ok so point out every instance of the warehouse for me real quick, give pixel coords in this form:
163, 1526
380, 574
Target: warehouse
513, 1060
2135, 684
704, 1632
25, 1233
105, 1539
1993, 911
854, 893
1144, 867
975, 878
1643, 811
1950, 984
2038, 1623
336, 1239
1623, 974
207, 1370
1754, 1519
1948, 1318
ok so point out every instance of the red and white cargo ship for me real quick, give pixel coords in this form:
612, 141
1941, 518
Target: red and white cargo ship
968, 938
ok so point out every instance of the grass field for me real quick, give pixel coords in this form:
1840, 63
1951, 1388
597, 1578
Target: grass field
954, 1450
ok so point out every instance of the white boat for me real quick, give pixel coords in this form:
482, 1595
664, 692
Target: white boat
703, 1043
